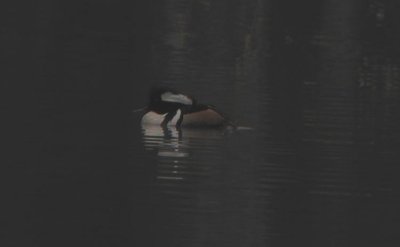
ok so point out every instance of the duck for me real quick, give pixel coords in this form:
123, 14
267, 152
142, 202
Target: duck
168, 107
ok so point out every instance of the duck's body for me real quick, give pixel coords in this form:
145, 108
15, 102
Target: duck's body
206, 117
154, 118
170, 108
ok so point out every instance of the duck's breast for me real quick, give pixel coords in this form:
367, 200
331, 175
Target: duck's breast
153, 118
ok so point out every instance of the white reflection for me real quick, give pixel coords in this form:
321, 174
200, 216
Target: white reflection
168, 143
167, 140
173, 147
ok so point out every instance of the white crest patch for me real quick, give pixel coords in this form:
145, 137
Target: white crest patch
176, 98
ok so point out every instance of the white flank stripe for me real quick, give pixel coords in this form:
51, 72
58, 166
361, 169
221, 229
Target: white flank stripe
175, 119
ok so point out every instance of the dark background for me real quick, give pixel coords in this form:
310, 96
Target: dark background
320, 73
70, 72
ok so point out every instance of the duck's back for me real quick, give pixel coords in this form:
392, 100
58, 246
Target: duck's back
205, 117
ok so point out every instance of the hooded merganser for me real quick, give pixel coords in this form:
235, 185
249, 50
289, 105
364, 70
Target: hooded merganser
168, 107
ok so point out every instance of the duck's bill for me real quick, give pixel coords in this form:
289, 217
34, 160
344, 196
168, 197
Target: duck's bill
139, 109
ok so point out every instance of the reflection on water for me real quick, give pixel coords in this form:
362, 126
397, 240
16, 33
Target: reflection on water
218, 188
202, 189
319, 83
174, 147
322, 95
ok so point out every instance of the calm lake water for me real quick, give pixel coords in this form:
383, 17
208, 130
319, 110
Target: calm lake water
322, 98
315, 90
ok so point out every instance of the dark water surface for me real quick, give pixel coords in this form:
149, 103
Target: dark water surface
317, 88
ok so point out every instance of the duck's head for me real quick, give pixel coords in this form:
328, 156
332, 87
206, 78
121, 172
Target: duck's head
163, 100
